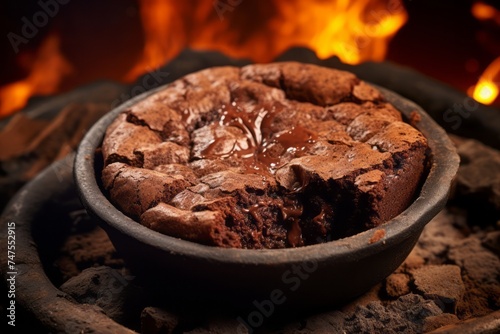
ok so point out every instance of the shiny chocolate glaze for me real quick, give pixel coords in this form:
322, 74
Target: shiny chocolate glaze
255, 122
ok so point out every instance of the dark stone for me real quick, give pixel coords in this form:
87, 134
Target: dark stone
442, 284
396, 285
155, 320
437, 321
478, 174
480, 272
108, 289
407, 314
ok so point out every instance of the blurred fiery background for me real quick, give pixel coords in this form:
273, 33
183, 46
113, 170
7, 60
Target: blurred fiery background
52, 46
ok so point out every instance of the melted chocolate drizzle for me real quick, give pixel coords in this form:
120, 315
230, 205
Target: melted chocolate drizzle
292, 211
256, 125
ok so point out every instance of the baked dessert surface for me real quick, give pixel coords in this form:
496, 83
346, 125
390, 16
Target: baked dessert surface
266, 156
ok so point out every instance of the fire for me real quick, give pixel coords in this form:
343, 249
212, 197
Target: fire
163, 36
353, 31
359, 35
46, 72
487, 89
483, 12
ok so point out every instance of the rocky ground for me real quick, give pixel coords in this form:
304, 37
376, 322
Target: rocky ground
452, 275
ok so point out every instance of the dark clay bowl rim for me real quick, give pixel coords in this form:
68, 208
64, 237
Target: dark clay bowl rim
432, 198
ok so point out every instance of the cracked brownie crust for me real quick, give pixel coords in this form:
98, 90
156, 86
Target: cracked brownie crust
266, 156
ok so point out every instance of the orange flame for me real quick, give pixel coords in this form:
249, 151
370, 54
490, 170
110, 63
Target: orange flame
353, 31
163, 38
487, 88
259, 30
483, 12
46, 72
361, 34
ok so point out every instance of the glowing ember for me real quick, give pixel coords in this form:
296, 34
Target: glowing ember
46, 72
487, 89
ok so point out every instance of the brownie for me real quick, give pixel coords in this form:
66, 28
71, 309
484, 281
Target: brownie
265, 156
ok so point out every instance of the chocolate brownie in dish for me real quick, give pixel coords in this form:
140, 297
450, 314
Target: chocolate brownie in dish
265, 156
